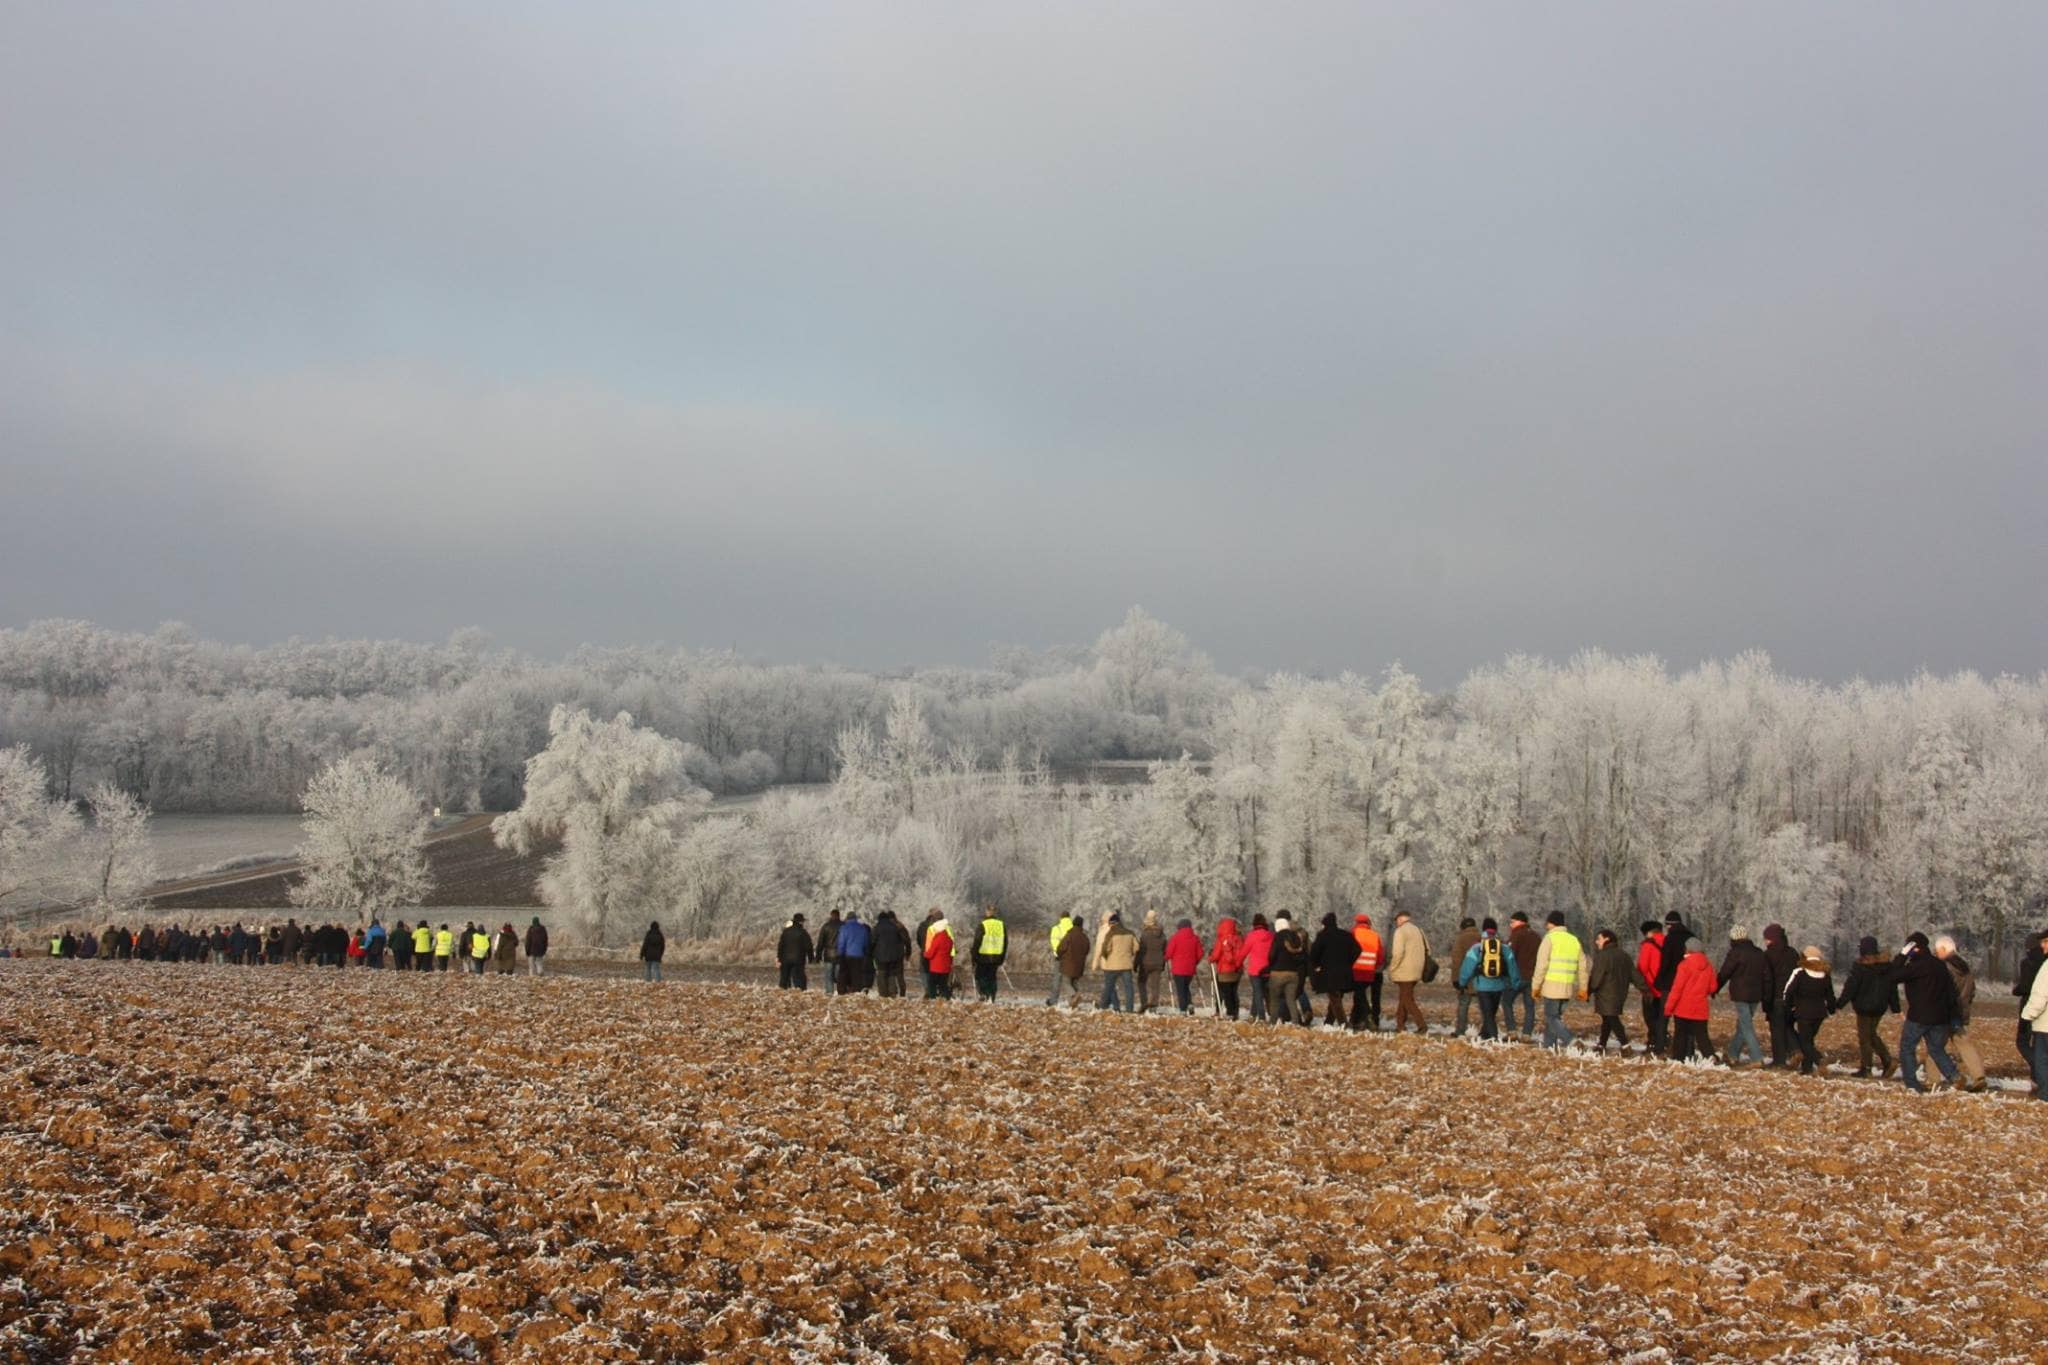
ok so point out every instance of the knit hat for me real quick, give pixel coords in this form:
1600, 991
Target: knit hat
1866, 946
1489, 926
1739, 934
1283, 923
1674, 918
1918, 940
1774, 933
1555, 917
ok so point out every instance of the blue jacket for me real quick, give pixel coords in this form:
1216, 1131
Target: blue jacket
853, 939
1470, 979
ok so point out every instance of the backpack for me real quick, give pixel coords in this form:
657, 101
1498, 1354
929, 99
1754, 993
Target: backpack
1492, 961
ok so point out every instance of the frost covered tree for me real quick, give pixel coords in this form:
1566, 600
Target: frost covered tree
364, 851
1791, 879
2000, 852
720, 883
617, 796
34, 828
121, 865
1184, 864
1472, 819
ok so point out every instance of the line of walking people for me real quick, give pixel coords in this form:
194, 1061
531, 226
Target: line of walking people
408, 947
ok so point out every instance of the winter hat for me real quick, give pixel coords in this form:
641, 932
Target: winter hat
1739, 934
1555, 917
1151, 919
1519, 917
1489, 926
1774, 933
1811, 958
536, 920
1283, 923
1466, 923
1366, 920
1329, 921
1673, 917
1866, 946
1918, 940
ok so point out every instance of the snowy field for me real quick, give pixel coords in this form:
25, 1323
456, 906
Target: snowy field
365, 1165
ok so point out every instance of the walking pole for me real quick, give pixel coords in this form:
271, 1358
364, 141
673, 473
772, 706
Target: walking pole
1215, 994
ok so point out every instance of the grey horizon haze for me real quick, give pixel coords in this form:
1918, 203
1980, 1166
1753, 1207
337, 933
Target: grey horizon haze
1332, 334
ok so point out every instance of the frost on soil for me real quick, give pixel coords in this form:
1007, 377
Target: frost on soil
310, 1165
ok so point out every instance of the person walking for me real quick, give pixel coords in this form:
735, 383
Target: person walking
1257, 960
1930, 1007
1649, 960
1968, 1058
652, 949
1060, 927
508, 950
1285, 966
1809, 1000
938, 959
2034, 1014
1490, 972
1524, 942
1607, 983
1871, 997
1746, 976
932, 917
1677, 940
1365, 976
856, 942
444, 948
1468, 934
1071, 965
826, 952
1116, 957
422, 947
1688, 1002
792, 952
1183, 960
374, 939
1151, 961
1330, 959
891, 948
1561, 971
1405, 968
1226, 961
2023, 987
1783, 962
991, 946
537, 946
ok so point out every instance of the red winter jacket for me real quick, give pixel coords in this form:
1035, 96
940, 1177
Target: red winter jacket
1184, 952
938, 952
1258, 950
1228, 954
1691, 989
1650, 960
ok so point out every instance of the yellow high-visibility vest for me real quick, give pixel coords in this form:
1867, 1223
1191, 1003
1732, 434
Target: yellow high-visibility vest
991, 937
480, 944
56, 945
444, 943
1563, 969
1061, 930
422, 941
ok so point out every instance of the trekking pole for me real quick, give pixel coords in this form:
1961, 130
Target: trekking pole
1215, 994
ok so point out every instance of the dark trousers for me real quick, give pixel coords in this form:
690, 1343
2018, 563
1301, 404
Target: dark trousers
1870, 1043
1184, 993
1333, 1008
1803, 1033
2024, 1041
938, 986
1611, 1024
792, 977
1258, 998
1653, 1022
1365, 1005
889, 980
1781, 1034
1689, 1038
1226, 992
1489, 1014
985, 971
1285, 1002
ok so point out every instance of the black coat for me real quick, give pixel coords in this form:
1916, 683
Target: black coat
1676, 936
1332, 955
794, 945
537, 940
1746, 973
1290, 952
2023, 983
891, 942
1783, 962
1930, 990
1867, 991
654, 945
1810, 998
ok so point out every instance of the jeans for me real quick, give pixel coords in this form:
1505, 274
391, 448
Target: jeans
831, 975
534, 968
1937, 1048
1184, 993
2037, 1062
1115, 986
1464, 1010
791, 979
650, 971
1258, 998
1283, 987
1555, 1034
1489, 1014
1528, 1010
1052, 994
1745, 1040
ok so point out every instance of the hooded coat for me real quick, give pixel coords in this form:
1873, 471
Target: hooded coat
1258, 950
1692, 988
1332, 955
1184, 951
1227, 954
1677, 938
1867, 991
938, 949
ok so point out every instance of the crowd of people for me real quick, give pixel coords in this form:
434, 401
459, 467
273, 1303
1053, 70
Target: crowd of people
1273, 972
417, 947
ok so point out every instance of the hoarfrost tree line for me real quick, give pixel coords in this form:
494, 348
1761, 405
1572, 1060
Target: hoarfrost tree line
1607, 787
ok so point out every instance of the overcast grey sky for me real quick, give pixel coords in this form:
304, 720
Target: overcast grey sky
1332, 334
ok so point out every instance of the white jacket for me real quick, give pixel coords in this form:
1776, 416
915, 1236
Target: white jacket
2037, 1000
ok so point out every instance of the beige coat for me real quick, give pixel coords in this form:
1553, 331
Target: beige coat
1118, 950
1410, 950
1546, 989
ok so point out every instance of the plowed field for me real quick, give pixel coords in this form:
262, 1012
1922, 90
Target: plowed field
305, 1165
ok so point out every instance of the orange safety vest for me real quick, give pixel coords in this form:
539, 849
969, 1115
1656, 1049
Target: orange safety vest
1368, 964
